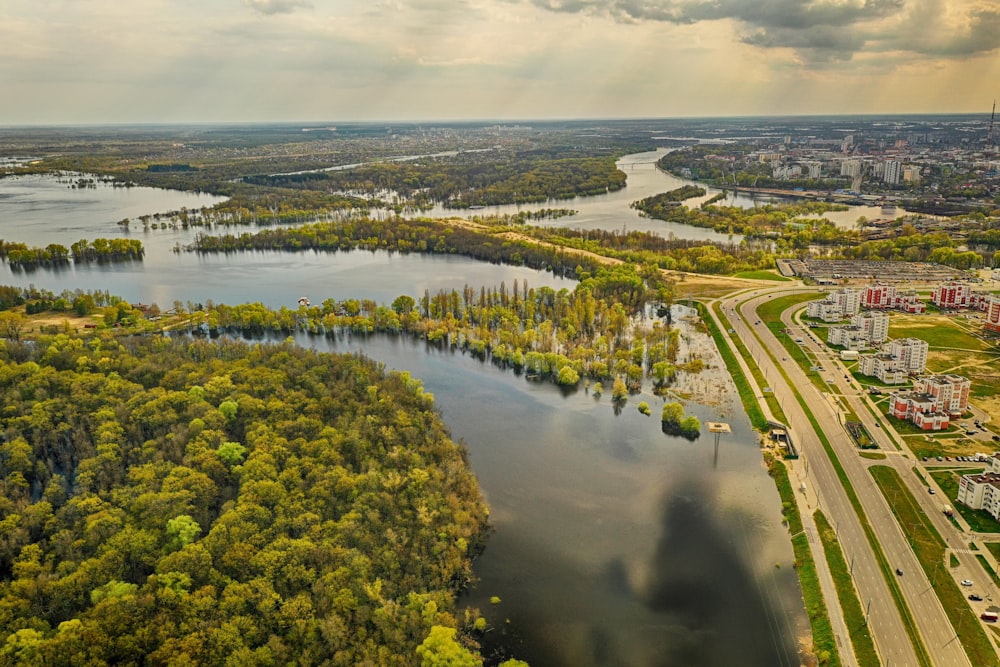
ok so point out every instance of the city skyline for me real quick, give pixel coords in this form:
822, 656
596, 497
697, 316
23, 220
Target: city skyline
422, 60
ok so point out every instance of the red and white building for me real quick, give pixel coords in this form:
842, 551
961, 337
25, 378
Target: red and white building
934, 401
993, 314
918, 408
951, 295
950, 392
881, 296
960, 295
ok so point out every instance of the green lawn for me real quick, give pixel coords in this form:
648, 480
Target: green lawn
762, 275
939, 336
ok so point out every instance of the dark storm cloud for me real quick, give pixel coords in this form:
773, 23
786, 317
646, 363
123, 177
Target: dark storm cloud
276, 6
819, 30
757, 13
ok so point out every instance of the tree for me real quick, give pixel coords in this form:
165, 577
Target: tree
12, 325
568, 377
440, 649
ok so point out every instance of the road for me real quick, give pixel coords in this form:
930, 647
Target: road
874, 593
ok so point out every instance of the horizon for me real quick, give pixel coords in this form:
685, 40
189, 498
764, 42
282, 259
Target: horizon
308, 124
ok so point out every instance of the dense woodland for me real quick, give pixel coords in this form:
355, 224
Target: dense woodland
184, 502
509, 178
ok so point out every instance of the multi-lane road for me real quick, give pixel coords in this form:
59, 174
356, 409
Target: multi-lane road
815, 469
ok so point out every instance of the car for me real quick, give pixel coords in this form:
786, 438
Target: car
878, 424
899, 572
976, 598
940, 459
925, 458
930, 491
947, 458
966, 582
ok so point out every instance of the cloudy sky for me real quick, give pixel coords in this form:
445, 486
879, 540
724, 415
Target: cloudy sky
110, 61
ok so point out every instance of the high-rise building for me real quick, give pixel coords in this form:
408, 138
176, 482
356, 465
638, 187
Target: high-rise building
911, 352
891, 172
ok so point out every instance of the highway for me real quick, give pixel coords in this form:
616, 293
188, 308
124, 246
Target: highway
818, 472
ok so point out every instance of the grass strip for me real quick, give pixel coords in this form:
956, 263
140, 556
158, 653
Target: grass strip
850, 605
989, 568
747, 396
930, 550
824, 642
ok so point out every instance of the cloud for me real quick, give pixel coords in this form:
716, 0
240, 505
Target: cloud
822, 30
276, 6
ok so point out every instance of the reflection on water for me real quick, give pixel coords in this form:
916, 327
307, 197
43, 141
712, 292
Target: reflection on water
614, 544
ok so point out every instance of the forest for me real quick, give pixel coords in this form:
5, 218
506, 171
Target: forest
457, 183
175, 501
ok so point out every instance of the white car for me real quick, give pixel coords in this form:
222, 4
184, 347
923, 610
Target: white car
966, 582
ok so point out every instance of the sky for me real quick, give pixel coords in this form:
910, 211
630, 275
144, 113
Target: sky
135, 61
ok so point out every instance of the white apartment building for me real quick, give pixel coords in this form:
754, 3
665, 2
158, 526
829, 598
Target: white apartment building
850, 168
849, 337
874, 325
891, 172
883, 366
911, 352
836, 306
982, 491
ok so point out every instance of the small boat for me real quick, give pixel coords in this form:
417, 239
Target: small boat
303, 301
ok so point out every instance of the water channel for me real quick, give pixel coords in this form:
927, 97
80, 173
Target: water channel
614, 543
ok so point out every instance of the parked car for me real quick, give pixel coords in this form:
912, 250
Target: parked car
899, 572
977, 598
930, 490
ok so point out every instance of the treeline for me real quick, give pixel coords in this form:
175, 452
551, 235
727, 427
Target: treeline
98, 250
599, 331
654, 206
184, 502
401, 235
508, 179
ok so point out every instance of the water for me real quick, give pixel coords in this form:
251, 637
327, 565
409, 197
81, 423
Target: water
614, 543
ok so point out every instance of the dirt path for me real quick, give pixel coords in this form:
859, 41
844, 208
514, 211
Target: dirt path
688, 285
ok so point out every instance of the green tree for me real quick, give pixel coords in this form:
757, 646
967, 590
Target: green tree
441, 649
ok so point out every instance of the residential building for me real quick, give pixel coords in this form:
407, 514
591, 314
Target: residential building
911, 353
836, 306
981, 491
950, 392
882, 296
959, 295
883, 366
911, 174
993, 314
891, 172
848, 337
874, 326
850, 168
878, 296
